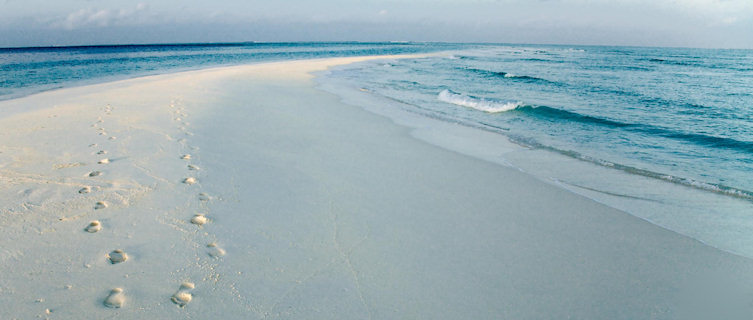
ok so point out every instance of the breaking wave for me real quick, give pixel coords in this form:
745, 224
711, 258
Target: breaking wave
485, 105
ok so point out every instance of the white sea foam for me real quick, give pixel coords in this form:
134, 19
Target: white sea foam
478, 104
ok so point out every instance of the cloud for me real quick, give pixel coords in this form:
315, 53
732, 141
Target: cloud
720, 23
103, 18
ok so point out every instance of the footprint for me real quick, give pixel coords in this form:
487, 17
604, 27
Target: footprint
189, 180
117, 256
100, 205
214, 251
193, 167
95, 173
204, 197
111, 138
199, 219
93, 227
116, 299
186, 157
85, 190
92, 145
101, 152
183, 296
104, 161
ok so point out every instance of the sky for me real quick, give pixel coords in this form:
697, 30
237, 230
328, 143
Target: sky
672, 23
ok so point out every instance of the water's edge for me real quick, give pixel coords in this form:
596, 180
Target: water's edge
717, 219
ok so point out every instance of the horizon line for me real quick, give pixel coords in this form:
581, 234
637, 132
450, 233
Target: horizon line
393, 42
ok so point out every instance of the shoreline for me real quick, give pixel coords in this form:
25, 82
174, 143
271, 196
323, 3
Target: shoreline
313, 206
662, 201
157, 73
117, 81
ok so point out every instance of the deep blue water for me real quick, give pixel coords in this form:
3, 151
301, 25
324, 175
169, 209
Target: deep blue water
679, 115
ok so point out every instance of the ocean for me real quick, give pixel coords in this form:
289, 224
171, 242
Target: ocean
682, 115
665, 134
26, 71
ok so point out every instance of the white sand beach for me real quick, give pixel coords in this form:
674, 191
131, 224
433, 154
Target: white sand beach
247, 193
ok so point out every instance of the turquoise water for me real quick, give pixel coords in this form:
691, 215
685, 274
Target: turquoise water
669, 130
679, 115
25, 71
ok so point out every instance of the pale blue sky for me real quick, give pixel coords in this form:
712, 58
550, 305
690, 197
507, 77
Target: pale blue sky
694, 23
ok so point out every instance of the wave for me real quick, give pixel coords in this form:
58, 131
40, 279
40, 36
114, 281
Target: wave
640, 98
507, 75
485, 105
615, 67
699, 64
492, 106
528, 142
542, 60
673, 62
560, 114
709, 140
695, 138
687, 182
531, 78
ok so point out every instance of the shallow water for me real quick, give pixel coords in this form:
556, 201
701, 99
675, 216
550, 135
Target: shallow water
680, 115
663, 133
667, 142
28, 70
315, 208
